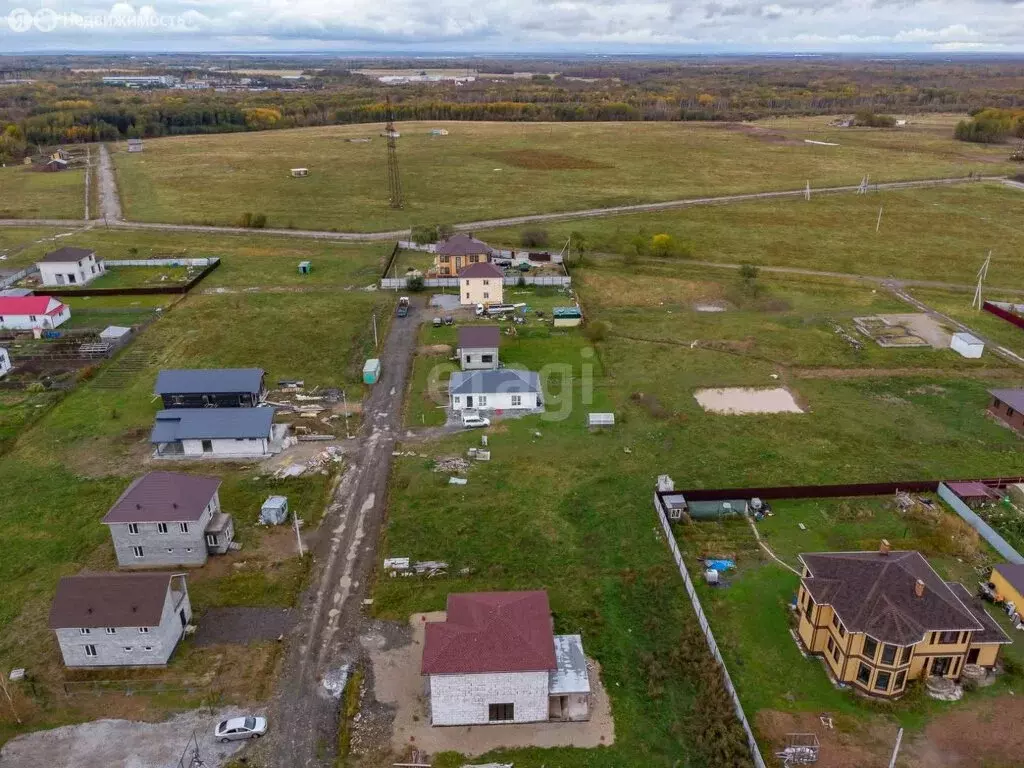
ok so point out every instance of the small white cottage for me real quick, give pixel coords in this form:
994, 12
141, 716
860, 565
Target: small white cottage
967, 345
505, 389
70, 266
495, 659
26, 313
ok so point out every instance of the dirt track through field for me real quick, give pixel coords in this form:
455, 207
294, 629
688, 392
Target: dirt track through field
110, 203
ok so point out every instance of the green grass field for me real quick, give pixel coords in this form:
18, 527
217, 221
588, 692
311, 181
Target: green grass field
485, 170
938, 234
29, 194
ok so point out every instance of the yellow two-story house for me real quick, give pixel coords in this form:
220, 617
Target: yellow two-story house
881, 619
458, 251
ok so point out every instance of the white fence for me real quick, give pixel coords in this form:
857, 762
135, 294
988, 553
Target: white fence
755, 752
7, 282
522, 254
160, 262
558, 281
999, 544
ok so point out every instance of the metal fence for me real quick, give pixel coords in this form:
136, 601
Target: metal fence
501, 253
7, 282
558, 281
828, 491
126, 687
755, 752
171, 262
1006, 311
999, 544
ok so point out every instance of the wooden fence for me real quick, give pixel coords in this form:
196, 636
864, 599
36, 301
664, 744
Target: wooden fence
702, 620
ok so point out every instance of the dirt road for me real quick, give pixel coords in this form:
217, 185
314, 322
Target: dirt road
110, 203
304, 715
111, 207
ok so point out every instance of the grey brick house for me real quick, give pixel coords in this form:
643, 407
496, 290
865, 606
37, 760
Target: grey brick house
120, 619
169, 519
478, 347
211, 387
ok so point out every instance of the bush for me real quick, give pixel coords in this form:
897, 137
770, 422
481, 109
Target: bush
414, 283
991, 126
444, 231
424, 235
533, 238
663, 246
871, 120
259, 221
597, 330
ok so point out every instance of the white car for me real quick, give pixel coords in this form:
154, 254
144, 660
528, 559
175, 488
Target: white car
474, 420
238, 728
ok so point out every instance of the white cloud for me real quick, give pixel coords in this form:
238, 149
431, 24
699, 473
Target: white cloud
530, 25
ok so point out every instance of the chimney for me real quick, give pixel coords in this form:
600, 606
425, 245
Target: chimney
883, 547
919, 588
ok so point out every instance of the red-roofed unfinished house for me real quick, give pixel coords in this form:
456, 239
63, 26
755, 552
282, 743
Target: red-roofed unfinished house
496, 659
26, 313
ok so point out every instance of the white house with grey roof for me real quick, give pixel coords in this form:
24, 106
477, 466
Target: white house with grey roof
506, 389
169, 519
120, 619
218, 433
70, 266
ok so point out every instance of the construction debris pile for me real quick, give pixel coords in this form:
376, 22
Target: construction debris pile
451, 465
402, 566
321, 463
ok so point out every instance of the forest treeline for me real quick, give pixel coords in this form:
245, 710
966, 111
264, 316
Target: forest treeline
67, 105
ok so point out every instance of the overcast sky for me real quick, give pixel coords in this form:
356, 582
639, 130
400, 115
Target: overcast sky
482, 26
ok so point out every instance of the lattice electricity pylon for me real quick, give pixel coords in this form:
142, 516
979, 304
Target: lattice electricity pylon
394, 179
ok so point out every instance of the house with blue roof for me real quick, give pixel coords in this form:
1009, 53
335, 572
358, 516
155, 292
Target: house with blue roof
211, 387
224, 433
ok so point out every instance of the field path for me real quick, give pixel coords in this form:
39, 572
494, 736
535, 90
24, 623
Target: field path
110, 203
110, 207
304, 717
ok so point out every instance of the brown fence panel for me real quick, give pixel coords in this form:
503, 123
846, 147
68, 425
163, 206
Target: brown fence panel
826, 491
1009, 317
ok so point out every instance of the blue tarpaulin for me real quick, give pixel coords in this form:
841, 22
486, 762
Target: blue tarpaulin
720, 565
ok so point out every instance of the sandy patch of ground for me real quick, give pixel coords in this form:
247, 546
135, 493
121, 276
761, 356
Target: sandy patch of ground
434, 349
124, 743
741, 400
397, 682
906, 330
984, 732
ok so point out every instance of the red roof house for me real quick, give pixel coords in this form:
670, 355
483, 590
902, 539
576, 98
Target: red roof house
495, 659
27, 312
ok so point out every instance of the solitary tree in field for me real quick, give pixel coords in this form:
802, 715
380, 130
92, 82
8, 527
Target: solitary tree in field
749, 274
663, 246
579, 245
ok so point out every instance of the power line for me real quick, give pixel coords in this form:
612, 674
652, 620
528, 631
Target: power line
394, 180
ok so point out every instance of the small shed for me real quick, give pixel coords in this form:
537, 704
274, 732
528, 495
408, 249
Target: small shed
299, 173
115, 333
134, 145
305, 267
371, 371
567, 317
967, 345
5, 362
274, 510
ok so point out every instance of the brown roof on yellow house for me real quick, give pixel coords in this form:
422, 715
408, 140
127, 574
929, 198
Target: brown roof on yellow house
481, 269
876, 593
462, 245
992, 632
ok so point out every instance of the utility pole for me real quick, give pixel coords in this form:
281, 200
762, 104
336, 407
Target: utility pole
298, 536
395, 199
879, 222
374, 331
807, 192
344, 402
896, 749
982, 274
7, 693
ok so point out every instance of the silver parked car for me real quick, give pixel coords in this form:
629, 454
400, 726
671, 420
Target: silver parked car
238, 728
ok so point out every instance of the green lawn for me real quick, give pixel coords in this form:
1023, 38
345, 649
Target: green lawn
30, 194
251, 261
939, 233
484, 170
751, 616
142, 277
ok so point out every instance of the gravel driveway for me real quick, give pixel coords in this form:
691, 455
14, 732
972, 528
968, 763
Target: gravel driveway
122, 743
243, 625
